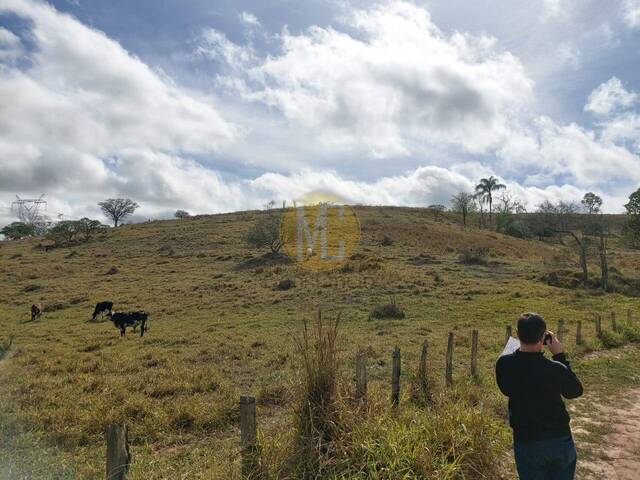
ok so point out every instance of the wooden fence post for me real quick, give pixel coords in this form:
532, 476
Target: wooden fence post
629, 318
474, 354
579, 333
361, 376
598, 325
248, 433
508, 333
449, 370
395, 377
422, 370
614, 324
118, 456
560, 330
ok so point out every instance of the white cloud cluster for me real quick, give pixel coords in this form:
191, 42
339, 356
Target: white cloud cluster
69, 119
82, 119
397, 82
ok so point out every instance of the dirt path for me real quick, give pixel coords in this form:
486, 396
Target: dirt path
616, 454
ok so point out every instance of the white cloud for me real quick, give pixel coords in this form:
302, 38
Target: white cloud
610, 97
397, 81
632, 13
83, 100
249, 19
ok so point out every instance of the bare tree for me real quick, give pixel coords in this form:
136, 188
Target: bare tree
463, 203
118, 208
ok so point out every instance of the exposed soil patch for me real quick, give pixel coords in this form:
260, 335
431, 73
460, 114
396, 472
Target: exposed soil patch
617, 453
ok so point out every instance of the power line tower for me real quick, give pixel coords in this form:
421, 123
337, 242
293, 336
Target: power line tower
28, 210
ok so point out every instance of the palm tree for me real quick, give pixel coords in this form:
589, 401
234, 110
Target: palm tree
485, 189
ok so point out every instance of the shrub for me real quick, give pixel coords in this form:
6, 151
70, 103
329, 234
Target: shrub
266, 233
285, 284
474, 256
611, 339
387, 241
388, 310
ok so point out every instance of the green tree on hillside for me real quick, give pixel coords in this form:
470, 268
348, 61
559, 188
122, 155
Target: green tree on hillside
18, 230
88, 228
591, 203
485, 190
63, 232
118, 208
632, 228
266, 232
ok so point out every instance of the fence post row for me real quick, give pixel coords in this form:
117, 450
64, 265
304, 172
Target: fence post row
248, 433
361, 376
395, 377
449, 371
118, 456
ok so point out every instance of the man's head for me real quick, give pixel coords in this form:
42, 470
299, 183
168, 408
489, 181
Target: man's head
531, 328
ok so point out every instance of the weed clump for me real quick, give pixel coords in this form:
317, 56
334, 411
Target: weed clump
388, 310
474, 255
611, 339
285, 284
316, 414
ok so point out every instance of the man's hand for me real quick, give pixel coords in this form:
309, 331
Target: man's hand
555, 347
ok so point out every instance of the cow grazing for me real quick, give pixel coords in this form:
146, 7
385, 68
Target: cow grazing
36, 311
101, 309
122, 320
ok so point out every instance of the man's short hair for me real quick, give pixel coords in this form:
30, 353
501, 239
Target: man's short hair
531, 328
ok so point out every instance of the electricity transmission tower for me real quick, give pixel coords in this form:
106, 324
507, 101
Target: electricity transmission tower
28, 210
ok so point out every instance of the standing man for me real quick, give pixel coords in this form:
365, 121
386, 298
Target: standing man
542, 441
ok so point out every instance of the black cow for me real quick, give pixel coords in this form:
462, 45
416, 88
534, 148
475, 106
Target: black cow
36, 311
101, 308
122, 320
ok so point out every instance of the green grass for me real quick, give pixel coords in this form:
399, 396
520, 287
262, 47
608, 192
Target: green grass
217, 331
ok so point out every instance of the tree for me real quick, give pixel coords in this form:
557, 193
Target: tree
463, 203
266, 232
118, 208
632, 228
87, 228
485, 189
18, 230
63, 232
181, 214
591, 203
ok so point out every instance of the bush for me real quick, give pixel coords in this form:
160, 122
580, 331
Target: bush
611, 339
18, 230
389, 310
285, 284
474, 256
266, 233
387, 241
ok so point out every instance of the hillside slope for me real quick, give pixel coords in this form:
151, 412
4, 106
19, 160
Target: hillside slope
219, 328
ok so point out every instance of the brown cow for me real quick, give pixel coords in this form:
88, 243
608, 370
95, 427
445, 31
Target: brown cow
36, 311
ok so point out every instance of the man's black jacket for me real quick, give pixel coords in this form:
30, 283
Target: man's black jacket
535, 386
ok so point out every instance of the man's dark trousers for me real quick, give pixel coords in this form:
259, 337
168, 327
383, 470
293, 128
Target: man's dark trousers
553, 459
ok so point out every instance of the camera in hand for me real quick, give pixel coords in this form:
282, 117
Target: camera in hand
548, 339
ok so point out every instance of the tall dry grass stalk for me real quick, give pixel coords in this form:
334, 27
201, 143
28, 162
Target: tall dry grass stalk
317, 412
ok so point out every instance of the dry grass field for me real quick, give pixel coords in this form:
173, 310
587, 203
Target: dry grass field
219, 328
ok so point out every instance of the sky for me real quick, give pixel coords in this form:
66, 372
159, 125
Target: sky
222, 106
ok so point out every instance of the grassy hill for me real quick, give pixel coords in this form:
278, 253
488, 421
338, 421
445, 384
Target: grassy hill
219, 328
